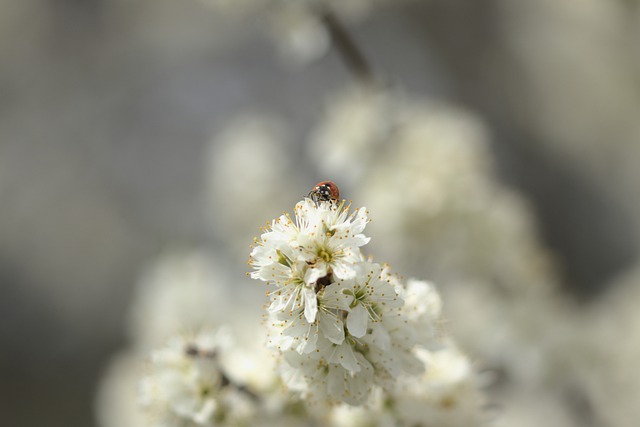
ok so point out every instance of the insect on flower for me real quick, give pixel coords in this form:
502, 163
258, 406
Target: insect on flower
325, 191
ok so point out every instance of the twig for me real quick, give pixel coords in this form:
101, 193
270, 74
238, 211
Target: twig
348, 50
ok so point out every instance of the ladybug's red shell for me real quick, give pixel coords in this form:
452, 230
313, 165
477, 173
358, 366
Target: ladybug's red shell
325, 191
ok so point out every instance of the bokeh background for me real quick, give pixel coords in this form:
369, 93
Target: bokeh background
113, 116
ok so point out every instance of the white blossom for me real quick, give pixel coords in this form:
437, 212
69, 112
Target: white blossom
231, 201
448, 394
423, 308
294, 255
180, 291
186, 385
337, 319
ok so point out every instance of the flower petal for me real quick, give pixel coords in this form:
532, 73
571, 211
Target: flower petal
310, 304
343, 354
343, 270
331, 327
357, 321
313, 274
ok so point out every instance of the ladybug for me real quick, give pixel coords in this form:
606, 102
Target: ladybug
325, 191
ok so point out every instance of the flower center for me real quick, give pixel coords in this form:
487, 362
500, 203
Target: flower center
325, 255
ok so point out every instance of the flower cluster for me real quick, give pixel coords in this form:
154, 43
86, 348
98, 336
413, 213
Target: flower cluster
186, 384
446, 395
337, 318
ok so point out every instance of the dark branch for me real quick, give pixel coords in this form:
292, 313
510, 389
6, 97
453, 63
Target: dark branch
346, 46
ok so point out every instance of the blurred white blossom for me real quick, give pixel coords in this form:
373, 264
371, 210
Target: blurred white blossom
357, 122
180, 297
180, 292
117, 402
447, 394
245, 159
186, 385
